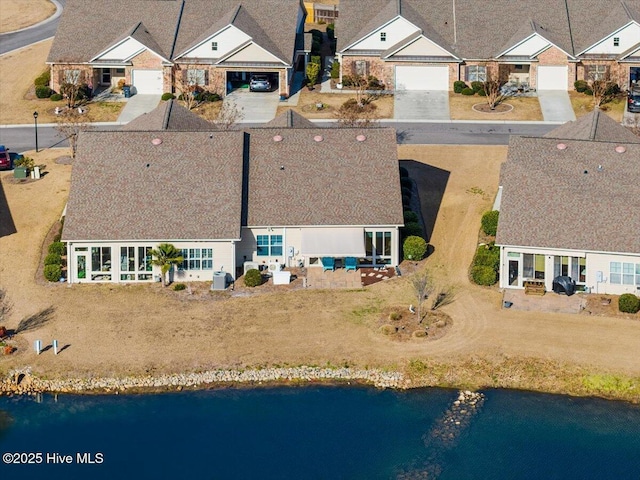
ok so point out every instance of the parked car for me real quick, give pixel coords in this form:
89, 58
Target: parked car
5, 159
633, 104
260, 83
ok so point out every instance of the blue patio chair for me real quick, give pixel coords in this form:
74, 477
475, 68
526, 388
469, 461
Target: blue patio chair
351, 263
328, 263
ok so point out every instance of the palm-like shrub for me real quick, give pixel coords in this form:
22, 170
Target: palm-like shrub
165, 257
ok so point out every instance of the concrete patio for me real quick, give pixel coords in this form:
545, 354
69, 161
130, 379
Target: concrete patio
550, 302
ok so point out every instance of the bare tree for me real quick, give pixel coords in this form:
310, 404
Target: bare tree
5, 306
71, 87
602, 88
442, 296
187, 89
352, 114
422, 288
36, 320
492, 90
229, 116
70, 123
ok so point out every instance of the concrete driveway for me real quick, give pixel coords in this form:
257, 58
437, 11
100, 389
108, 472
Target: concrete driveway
257, 107
556, 106
421, 105
137, 105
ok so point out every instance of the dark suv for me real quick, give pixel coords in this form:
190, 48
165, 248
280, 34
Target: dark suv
633, 104
5, 159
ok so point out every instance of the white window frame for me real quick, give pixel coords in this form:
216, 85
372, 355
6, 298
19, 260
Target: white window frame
615, 273
616, 41
214, 46
197, 76
597, 72
197, 259
383, 36
476, 73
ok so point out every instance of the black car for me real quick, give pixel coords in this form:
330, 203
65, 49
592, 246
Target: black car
633, 104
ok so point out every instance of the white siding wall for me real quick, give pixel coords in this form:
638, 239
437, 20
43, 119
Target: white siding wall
529, 47
600, 262
126, 49
223, 258
396, 31
228, 40
629, 36
253, 53
422, 46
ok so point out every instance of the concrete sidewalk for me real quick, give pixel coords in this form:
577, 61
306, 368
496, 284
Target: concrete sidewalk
138, 105
556, 106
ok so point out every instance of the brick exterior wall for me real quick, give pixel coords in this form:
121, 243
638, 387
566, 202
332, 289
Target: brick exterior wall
618, 72
553, 56
87, 75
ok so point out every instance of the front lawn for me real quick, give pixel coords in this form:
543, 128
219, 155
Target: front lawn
331, 102
524, 108
583, 104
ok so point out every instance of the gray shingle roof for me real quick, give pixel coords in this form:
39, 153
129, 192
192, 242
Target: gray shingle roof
290, 119
169, 115
585, 197
483, 31
594, 126
87, 28
125, 188
337, 181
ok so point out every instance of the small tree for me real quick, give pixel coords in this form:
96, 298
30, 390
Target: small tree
229, 115
5, 306
313, 70
71, 87
354, 114
490, 222
602, 88
70, 123
422, 288
188, 89
165, 257
492, 90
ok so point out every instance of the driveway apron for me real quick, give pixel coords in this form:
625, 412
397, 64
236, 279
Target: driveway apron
556, 106
421, 105
257, 107
138, 105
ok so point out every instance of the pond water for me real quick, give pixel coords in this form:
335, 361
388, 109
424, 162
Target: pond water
320, 432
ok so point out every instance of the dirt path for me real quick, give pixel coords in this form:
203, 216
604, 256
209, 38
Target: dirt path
18, 14
113, 329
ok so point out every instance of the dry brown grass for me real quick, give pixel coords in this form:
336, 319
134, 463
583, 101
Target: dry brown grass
17, 14
121, 329
19, 69
524, 108
332, 102
583, 104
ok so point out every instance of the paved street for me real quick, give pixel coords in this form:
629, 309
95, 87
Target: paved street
13, 40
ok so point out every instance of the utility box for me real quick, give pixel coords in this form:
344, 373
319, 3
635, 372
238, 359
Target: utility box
20, 172
127, 91
250, 266
219, 281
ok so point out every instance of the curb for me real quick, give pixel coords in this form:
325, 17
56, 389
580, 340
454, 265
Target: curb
55, 15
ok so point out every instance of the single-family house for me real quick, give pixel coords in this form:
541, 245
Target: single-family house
287, 194
548, 44
161, 46
570, 206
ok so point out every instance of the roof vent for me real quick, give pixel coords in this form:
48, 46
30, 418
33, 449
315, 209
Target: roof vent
281, 167
318, 138
277, 138
600, 168
621, 149
561, 146
361, 138
585, 172
156, 141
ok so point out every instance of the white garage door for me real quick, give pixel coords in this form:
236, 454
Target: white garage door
147, 81
552, 78
422, 78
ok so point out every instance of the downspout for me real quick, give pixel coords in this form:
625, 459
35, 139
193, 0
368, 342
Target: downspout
69, 263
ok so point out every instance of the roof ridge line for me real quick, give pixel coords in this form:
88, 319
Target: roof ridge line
594, 123
235, 14
167, 115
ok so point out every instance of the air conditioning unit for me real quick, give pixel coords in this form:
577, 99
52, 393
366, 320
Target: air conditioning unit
275, 267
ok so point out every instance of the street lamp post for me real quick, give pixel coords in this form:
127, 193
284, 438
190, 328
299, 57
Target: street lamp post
35, 119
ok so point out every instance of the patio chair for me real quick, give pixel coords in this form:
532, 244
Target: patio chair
351, 263
328, 263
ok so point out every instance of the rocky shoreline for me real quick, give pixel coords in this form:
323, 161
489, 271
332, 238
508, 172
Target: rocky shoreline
23, 382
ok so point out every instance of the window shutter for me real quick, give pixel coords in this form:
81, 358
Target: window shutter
206, 78
466, 73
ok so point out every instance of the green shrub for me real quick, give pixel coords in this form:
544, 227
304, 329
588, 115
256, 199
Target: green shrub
458, 86
43, 79
482, 275
43, 91
482, 93
23, 161
313, 71
477, 86
57, 247
406, 200
56, 97
629, 303
179, 286
374, 84
168, 96
588, 91
404, 173
331, 31
487, 256
317, 59
580, 85
414, 248
52, 259
490, 222
335, 69
209, 97
412, 229
410, 217
406, 182
52, 272
468, 91
57, 237
407, 192
253, 278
